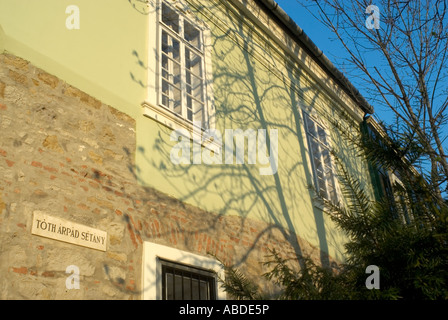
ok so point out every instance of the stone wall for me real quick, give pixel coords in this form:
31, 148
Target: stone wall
65, 153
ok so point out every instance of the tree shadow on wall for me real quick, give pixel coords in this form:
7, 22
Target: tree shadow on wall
256, 85
140, 5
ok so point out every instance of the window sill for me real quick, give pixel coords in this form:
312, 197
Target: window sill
175, 122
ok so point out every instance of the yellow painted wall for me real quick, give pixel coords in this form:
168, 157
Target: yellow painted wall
107, 58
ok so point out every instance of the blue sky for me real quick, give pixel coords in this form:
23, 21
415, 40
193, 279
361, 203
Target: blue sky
312, 27
326, 42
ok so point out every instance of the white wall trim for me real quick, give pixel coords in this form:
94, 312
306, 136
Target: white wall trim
152, 272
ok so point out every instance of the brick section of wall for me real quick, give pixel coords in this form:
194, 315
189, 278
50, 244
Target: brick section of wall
66, 153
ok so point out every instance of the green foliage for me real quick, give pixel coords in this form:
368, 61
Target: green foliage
238, 286
311, 282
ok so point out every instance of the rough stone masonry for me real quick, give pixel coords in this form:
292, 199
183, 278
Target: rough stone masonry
67, 154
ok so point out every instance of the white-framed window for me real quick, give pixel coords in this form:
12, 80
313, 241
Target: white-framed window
180, 92
170, 273
320, 156
181, 66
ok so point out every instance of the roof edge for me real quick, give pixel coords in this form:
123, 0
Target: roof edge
318, 54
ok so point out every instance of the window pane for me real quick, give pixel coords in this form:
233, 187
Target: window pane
170, 18
195, 110
306, 120
326, 158
317, 164
192, 35
165, 101
187, 288
204, 290
178, 287
322, 187
314, 148
310, 126
171, 71
165, 62
195, 289
193, 63
332, 192
194, 87
170, 46
322, 135
171, 97
169, 286
190, 109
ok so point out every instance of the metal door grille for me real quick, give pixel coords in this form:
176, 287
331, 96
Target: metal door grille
181, 282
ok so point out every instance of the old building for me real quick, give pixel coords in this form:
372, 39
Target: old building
142, 140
